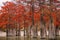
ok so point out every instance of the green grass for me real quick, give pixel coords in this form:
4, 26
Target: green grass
22, 38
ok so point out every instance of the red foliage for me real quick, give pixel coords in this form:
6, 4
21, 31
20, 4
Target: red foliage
12, 13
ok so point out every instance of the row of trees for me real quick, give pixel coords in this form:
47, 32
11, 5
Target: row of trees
27, 15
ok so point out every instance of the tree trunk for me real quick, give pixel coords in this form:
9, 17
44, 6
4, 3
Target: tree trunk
51, 31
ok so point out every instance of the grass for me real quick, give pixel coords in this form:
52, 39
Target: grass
22, 38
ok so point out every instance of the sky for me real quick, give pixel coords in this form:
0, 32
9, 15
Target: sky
1, 2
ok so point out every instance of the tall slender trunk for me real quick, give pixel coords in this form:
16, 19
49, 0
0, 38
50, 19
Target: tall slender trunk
51, 25
7, 30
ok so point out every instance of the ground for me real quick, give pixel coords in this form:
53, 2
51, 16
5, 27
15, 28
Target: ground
22, 38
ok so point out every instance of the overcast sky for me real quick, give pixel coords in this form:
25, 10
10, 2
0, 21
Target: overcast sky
1, 2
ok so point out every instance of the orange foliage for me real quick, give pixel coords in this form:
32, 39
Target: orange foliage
12, 13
